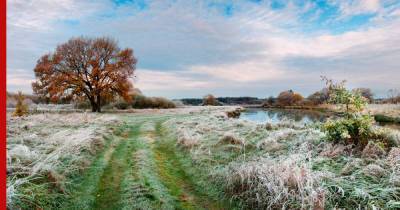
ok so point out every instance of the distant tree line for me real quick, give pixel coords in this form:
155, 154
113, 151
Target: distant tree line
289, 98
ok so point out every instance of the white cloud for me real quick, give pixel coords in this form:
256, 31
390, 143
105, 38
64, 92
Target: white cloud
19, 80
356, 7
242, 72
184, 47
149, 80
41, 14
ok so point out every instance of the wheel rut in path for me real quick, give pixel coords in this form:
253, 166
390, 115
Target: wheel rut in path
108, 192
173, 174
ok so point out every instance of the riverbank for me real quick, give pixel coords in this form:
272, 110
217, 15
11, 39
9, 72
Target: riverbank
383, 113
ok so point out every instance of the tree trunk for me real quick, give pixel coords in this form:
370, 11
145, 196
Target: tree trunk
98, 103
93, 104
94, 107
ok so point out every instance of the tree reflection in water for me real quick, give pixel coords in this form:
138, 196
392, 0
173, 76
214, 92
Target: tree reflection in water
277, 115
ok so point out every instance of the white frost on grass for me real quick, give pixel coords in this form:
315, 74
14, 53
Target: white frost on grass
269, 183
50, 144
285, 165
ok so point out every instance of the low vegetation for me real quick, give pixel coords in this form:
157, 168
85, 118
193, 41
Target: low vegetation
21, 108
210, 100
289, 98
140, 102
45, 151
288, 165
193, 158
355, 127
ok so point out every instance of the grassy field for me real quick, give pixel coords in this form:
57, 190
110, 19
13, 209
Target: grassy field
193, 158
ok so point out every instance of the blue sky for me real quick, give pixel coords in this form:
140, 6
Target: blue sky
189, 48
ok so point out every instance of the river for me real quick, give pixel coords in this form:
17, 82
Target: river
274, 115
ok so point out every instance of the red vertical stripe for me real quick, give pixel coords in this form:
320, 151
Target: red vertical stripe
3, 104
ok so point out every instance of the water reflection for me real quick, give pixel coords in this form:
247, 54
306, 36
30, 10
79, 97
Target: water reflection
277, 115
303, 116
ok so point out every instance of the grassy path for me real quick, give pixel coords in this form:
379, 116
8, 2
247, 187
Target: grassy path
140, 170
109, 191
173, 175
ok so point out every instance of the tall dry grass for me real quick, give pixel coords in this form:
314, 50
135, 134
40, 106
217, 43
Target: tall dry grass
285, 165
43, 150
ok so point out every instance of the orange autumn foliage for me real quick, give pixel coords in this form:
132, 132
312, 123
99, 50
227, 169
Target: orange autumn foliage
96, 69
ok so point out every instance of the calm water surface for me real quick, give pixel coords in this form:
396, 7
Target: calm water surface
303, 116
277, 115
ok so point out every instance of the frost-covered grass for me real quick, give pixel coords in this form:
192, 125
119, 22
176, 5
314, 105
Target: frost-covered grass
187, 156
287, 165
45, 150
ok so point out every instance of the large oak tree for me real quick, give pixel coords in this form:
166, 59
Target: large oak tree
96, 69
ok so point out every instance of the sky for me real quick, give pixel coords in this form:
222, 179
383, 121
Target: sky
188, 48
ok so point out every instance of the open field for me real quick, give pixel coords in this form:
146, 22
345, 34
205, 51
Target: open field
190, 158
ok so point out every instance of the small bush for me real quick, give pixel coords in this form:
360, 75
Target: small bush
121, 104
289, 98
21, 108
352, 130
319, 97
143, 102
234, 113
210, 100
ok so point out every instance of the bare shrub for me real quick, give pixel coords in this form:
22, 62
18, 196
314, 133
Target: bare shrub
393, 96
319, 97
